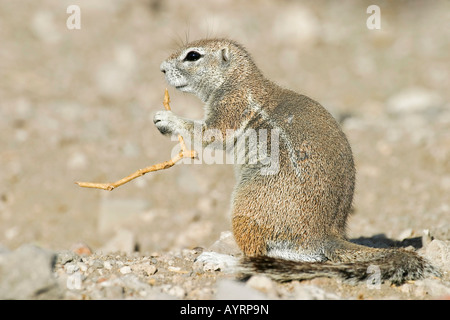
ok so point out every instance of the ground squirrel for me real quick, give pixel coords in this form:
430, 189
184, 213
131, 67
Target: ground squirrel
290, 222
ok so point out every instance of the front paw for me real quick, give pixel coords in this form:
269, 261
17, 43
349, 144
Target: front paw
166, 122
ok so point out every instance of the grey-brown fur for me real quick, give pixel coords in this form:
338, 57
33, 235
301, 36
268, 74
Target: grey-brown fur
298, 213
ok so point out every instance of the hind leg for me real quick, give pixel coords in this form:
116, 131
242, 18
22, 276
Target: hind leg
255, 240
249, 235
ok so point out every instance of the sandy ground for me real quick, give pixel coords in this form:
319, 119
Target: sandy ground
78, 105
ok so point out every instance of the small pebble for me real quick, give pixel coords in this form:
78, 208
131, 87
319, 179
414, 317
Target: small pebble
209, 267
125, 270
175, 291
261, 283
81, 249
66, 256
107, 265
83, 267
71, 268
174, 269
146, 268
96, 264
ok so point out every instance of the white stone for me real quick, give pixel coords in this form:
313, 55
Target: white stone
125, 270
414, 99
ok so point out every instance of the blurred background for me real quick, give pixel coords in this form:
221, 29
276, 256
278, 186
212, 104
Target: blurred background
77, 105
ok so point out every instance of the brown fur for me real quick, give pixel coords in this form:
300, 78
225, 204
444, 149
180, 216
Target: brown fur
299, 213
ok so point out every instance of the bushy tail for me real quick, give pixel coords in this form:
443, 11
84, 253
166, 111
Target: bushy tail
394, 265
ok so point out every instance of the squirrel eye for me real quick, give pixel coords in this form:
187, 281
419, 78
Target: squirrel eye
192, 56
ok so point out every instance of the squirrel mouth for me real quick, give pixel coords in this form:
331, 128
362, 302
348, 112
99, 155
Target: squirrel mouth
181, 86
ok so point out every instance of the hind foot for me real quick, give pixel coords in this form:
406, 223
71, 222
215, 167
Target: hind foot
213, 261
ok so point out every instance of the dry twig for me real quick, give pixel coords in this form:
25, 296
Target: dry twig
184, 153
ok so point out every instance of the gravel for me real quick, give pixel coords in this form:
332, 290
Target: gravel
31, 272
77, 105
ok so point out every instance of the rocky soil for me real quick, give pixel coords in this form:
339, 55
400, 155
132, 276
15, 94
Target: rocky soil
77, 105
31, 272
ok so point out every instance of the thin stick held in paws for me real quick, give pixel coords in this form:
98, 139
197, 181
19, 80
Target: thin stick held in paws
184, 153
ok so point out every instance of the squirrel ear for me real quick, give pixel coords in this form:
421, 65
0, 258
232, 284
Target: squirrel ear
225, 55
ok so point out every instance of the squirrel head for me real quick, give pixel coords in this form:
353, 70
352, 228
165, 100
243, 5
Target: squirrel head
204, 66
